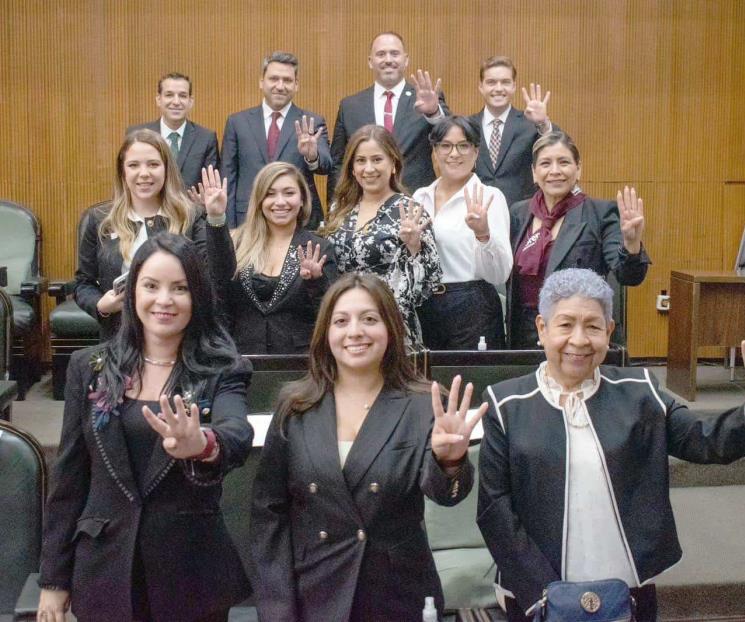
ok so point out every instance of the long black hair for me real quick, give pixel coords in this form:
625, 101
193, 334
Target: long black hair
206, 349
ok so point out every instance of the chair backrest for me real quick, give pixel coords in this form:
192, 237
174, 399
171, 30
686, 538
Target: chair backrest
20, 239
6, 333
270, 373
86, 216
23, 479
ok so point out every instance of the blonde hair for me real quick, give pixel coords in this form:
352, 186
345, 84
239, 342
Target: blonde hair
251, 239
177, 208
348, 191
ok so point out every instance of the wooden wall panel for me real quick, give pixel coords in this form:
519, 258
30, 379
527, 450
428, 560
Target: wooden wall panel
651, 92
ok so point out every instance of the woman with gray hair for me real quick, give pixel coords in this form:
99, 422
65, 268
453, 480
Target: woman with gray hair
574, 459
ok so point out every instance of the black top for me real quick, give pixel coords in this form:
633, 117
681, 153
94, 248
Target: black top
264, 286
139, 436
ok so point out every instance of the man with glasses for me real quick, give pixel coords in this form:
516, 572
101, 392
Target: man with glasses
507, 133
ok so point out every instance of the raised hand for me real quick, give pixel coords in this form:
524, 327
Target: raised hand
311, 262
536, 106
307, 138
213, 191
182, 436
196, 195
477, 210
412, 225
451, 432
427, 96
631, 211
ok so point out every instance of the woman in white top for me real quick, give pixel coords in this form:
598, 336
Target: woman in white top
472, 232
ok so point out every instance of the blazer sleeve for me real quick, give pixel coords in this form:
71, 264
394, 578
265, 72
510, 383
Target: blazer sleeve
270, 532
325, 162
230, 165
234, 434
513, 550
629, 269
338, 147
70, 484
221, 260
198, 233
87, 291
438, 486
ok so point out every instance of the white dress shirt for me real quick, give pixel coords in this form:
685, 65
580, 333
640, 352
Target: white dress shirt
379, 99
267, 111
166, 132
141, 236
462, 257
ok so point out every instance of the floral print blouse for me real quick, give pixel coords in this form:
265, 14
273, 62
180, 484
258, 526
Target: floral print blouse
377, 248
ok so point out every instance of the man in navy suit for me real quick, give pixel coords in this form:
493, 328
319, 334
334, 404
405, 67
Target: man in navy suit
277, 130
505, 158
406, 109
194, 146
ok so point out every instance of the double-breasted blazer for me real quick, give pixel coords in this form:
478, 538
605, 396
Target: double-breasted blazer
349, 544
410, 129
244, 154
512, 173
97, 516
198, 149
100, 262
284, 324
590, 237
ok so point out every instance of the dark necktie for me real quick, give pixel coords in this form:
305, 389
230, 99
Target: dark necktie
388, 112
495, 141
173, 140
273, 136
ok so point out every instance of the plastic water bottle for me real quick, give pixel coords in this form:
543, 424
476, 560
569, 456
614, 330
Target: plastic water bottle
429, 613
482, 344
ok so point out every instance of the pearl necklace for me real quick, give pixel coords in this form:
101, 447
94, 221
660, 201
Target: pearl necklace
160, 363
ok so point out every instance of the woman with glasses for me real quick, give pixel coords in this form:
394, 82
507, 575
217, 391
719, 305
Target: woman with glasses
472, 226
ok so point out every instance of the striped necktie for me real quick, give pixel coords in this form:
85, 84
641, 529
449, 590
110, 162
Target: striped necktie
495, 141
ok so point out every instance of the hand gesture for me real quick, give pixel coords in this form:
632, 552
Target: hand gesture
214, 192
477, 210
52, 605
307, 138
182, 436
427, 96
451, 432
631, 211
311, 262
110, 302
535, 106
412, 225
196, 196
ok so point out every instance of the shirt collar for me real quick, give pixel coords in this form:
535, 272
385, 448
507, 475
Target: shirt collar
267, 110
489, 117
166, 131
397, 90
553, 391
135, 217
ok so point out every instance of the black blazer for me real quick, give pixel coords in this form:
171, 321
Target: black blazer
198, 149
97, 516
244, 154
284, 324
100, 262
410, 129
349, 544
590, 237
512, 173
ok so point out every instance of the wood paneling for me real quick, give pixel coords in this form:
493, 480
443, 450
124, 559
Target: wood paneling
651, 92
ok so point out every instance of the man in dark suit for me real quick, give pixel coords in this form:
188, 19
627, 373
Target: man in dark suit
277, 130
194, 146
405, 109
505, 158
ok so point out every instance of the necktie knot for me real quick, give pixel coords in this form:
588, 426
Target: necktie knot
276, 116
173, 141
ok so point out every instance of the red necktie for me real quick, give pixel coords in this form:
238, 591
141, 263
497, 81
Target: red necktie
273, 137
388, 112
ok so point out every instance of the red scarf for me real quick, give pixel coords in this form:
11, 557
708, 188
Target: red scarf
530, 256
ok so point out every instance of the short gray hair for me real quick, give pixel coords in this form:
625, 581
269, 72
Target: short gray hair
285, 58
570, 282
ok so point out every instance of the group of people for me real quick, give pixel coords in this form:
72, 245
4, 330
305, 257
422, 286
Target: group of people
190, 266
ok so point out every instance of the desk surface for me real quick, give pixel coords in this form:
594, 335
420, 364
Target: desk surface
708, 276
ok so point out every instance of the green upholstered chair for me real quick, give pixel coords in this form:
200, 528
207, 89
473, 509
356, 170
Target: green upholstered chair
70, 327
20, 244
270, 372
22, 493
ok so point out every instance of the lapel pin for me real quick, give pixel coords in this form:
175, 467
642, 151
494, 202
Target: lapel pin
408, 93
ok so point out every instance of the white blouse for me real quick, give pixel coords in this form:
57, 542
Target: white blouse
595, 546
462, 257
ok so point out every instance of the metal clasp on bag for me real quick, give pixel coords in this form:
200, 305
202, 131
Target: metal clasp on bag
590, 602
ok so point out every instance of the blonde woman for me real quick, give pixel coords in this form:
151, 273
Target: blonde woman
148, 199
273, 274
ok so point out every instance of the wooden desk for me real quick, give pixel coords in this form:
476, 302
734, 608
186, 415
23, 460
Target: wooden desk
706, 309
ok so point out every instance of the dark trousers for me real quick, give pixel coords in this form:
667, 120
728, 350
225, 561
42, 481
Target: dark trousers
645, 597
458, 317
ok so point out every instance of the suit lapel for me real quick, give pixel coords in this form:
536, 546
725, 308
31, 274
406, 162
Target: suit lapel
377, 428
187, 141
485, 160
569, 232
288, 129
256, 123
367, 100
157, 468
404, 109
521, 227
508, 133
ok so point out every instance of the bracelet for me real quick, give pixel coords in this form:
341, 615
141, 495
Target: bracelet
212, 447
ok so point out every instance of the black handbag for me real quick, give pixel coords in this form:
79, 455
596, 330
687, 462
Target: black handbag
608, 600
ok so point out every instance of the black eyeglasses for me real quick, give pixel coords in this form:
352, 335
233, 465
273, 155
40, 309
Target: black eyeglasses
463, 148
